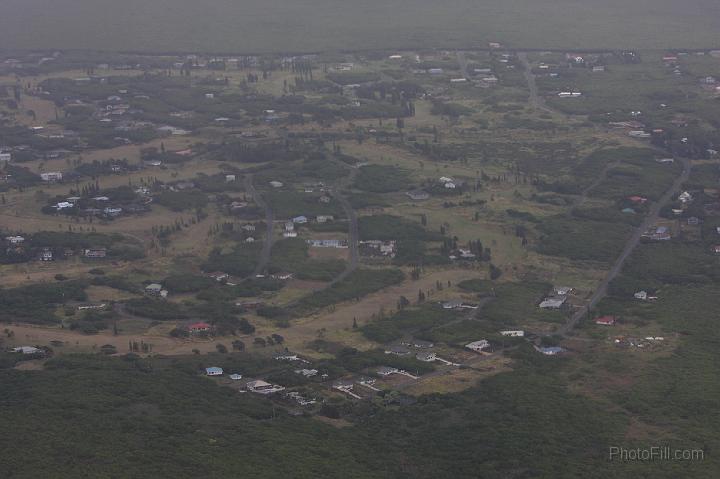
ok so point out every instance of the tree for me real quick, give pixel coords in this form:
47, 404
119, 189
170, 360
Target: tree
277, 338
260, 342
221, 348
238, 345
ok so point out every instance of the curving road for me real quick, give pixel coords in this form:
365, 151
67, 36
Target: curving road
264, 259
649, 221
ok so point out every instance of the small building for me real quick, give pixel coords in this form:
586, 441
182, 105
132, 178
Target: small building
229, 178
426, 356
262, 387
418, 195
46, 255
51, 176
553, 303
478, 346
213, 371
28, 350
308, 373
551, 350
513, 333
286, 356
153, 289
300, 220
605, 320
236, 377
95, 253
641, 295
219, 276
386, 371
562, 290
276, 184
15, 240
324, 218
197, 328
398, 351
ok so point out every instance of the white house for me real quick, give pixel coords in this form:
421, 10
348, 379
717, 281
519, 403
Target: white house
5, 157
51, 176
213, 371
276, 184
478, 346
513, 333
553, 303
27, 350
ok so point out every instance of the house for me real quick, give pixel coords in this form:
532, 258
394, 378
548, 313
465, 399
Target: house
249, 239
5, 157
308, 373
51, 176
213, 371
693, 221
238, 205
386, 371
229, 178
605, 321
196, 328
300, 220
28, 350
426, 356
513, 333
289, 226
153, 289
290, 234
282, 276
569, 94
453, 304
478, 346
420, 344
324, 218
248, 228
397, 351
276, 184
95, 252
685, 197
418, 195
324, 199
562, 290
15, 240
112, 211
261, 387
551, 351
219, 276
286, 356
46, 254
716, 249
641, 295
236, 377
553, 303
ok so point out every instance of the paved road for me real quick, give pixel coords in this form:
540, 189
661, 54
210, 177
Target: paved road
463, 64
649, 221
353, 237
535, 99
264, 259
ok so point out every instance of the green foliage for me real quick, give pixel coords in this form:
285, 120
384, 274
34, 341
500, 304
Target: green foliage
387, 227
182, 200
408, 321
359, 283
187, 283
582, 240
36, 303
382, 179
239, 262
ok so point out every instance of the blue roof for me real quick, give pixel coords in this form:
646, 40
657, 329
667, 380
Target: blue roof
213, 370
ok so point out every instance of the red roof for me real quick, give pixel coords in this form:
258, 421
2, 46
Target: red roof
199, 326
605, 320
637, 199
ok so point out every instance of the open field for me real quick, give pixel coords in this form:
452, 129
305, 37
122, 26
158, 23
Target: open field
319, 25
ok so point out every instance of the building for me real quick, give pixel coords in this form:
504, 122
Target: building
15, 240
219, 276
562, 290
418, 195
286, 356
236, 377
324, 218
28, 350
397, 351
46, 254
261, 387
51, 176
478, 346
5, 157
386, 371
426, 356
200, 327
95, 253
308, 373
553, 303
513, 333
276, 184
641, 295
551, 351
605, 320
300, 220
213, 371
153, 289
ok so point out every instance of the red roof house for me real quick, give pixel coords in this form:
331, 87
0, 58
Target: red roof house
605, 320
199, 327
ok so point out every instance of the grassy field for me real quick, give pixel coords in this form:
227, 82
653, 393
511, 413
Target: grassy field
314, 25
